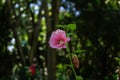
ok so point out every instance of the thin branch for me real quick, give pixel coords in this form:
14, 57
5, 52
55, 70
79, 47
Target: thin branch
18, 45
35, 35
14, 24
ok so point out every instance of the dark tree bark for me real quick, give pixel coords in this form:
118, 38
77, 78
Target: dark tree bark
50, 24
36, 29
55, 12
18, 45
14, 26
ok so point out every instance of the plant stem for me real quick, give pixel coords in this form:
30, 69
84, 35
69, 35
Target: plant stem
29, 78
70, 58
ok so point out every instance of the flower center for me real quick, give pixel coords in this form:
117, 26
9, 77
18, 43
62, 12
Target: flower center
61, 42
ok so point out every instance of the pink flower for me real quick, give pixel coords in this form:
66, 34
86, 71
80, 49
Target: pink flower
58, 39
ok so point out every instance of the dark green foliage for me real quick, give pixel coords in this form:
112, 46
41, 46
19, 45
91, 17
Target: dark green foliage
98, 28
96, 31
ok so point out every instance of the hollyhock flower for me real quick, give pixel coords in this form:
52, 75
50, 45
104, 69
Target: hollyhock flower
58, 39
75, 61
32, 69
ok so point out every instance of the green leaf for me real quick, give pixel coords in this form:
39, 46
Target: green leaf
79, 51
71, 27
59, 26
79, 78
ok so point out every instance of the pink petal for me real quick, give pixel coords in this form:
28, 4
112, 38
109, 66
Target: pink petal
56, 37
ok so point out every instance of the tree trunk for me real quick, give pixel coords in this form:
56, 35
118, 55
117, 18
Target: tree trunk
51, 53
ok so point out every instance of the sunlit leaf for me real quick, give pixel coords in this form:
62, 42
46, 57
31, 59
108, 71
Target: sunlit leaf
79, 78
79, 51
71, 27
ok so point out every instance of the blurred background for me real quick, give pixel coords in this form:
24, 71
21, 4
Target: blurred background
25, 28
